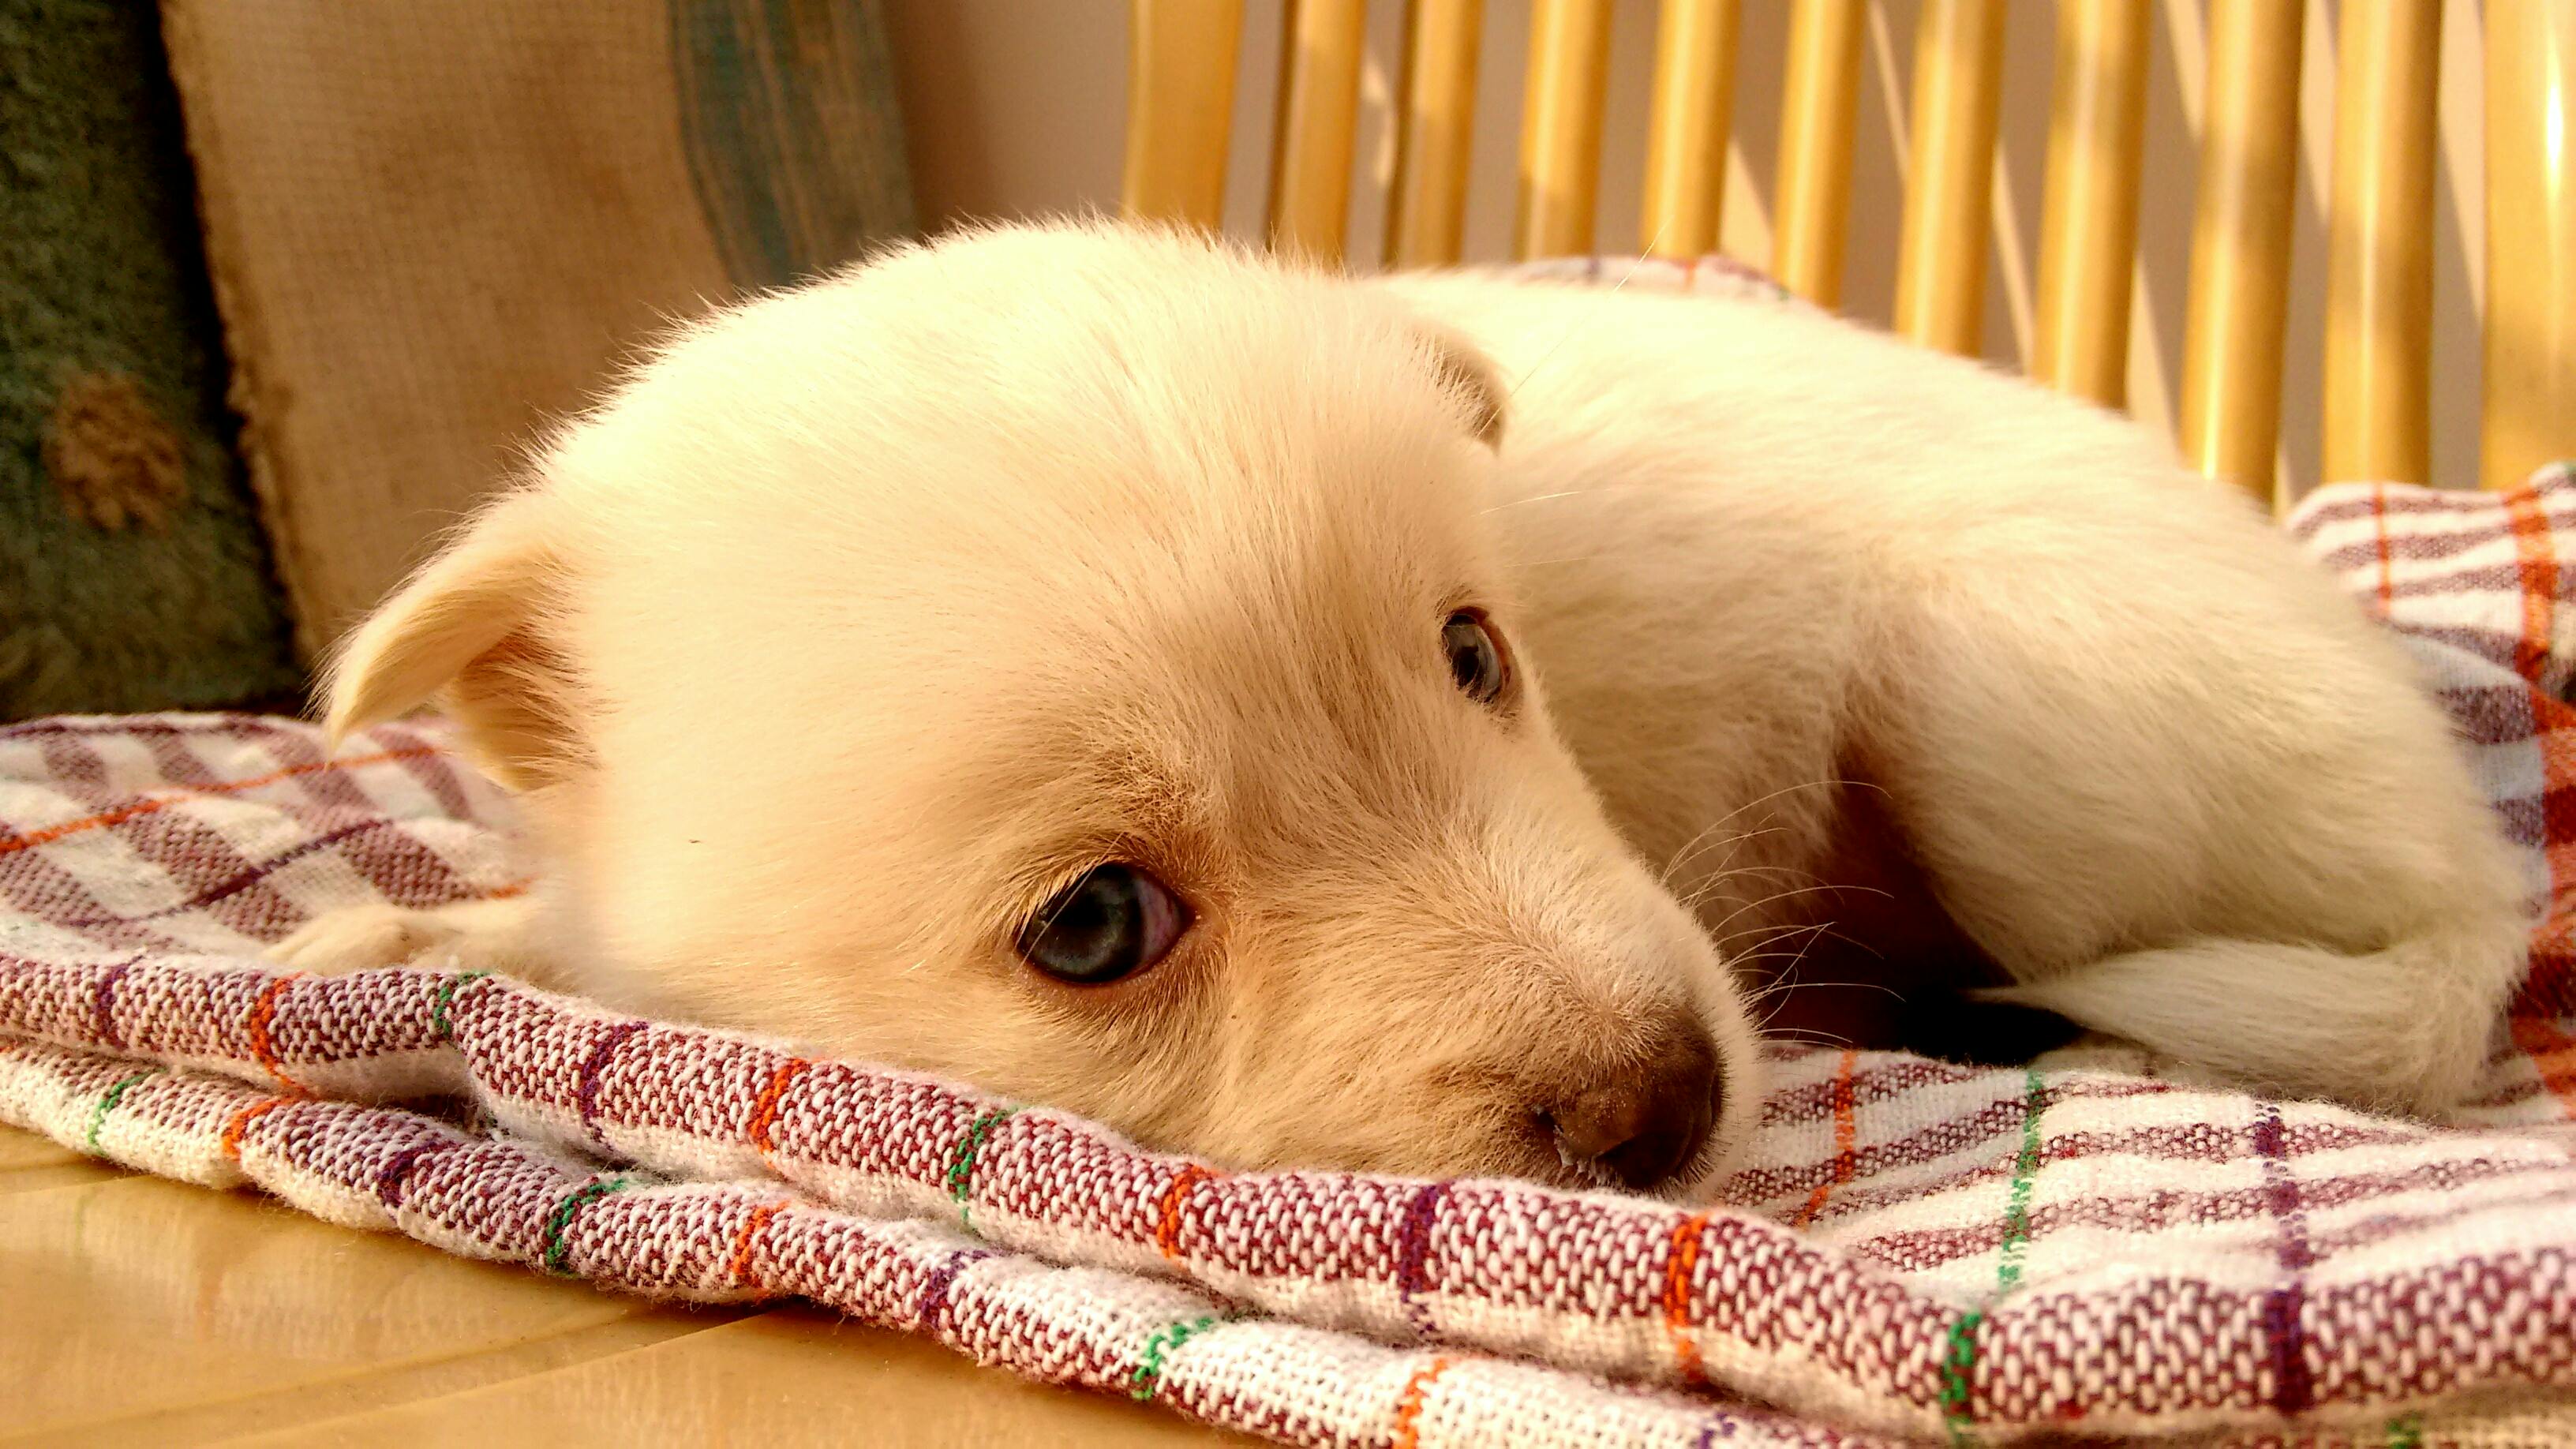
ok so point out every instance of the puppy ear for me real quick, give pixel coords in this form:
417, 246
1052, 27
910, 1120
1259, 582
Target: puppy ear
1470, 377
467, 630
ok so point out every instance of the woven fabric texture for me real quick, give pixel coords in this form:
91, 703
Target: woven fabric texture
1911, 1252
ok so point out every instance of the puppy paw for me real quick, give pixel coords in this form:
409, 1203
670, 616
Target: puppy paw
361, 938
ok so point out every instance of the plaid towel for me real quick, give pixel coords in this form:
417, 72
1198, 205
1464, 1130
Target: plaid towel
1913, 1252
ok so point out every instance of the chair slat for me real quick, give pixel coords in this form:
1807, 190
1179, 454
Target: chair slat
2531, 238
1180, 108
1569, 73
1435, 123
2240, 243
2089, 215
2379, 265
1694, 100
1317, 126
1941, 251
1819, 95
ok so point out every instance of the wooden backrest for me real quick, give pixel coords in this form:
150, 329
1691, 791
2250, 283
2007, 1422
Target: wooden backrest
2379, 279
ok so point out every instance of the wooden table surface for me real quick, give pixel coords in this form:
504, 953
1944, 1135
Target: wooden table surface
140, 1311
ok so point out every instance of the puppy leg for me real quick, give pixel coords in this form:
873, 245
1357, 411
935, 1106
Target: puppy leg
2404, 1029
487, 935
2211, 814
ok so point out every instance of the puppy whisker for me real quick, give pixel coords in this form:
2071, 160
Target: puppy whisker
1690, 848
1538, 498
1779, 987
1779, 896
1513, 393
1849, 940
1764, 799
1803, 1037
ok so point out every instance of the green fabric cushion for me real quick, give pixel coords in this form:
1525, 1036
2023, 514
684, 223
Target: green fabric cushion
133, 574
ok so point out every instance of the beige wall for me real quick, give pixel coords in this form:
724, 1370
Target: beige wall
1015, 109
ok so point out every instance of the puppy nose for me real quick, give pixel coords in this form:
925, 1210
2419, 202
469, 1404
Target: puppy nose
1644, 1123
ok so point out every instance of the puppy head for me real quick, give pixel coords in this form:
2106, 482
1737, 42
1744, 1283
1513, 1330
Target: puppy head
1072, 660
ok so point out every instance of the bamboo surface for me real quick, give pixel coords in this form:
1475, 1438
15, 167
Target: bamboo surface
1686, 131
1949, 172
2240, 243
1435, 122
2088, 228
2530, 412
1319, 92
1180, 108
2377, 368
1822, 91
2379, 268
1569, 73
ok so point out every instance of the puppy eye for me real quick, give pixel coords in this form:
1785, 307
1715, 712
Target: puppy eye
1475, 656
1115, 921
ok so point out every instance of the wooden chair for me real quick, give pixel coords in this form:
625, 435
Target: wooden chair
2379, 283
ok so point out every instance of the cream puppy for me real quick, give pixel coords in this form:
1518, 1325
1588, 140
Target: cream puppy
1308, 721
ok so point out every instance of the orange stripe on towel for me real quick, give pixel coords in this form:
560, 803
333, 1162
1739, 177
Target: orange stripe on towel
263, 1050
764, 1112
2553, 1055
2387, 562
1167, 1226
231, 1140
2537, 562
1846, 1142
1408, 1405
746, 1238
151, 805
1678, 1267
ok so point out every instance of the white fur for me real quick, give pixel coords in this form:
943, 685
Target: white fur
2152, 761
864, 616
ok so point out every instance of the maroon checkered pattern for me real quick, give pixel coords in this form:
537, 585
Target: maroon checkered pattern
1911, 1252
